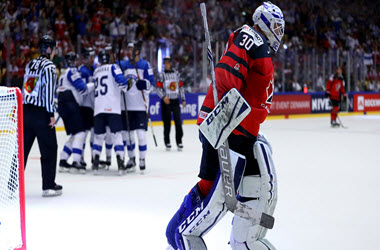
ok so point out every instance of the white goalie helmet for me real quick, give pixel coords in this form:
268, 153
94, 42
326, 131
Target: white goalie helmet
271, 21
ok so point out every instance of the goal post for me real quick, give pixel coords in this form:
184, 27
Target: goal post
12, 189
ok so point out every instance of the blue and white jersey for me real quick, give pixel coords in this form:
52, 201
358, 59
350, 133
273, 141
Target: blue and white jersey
134, 99
108, 80
87, 74
71, 80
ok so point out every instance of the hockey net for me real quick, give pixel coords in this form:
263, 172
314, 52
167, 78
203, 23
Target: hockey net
12, 197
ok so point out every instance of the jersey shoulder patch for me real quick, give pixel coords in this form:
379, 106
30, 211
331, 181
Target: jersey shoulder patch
116, 69
75, 75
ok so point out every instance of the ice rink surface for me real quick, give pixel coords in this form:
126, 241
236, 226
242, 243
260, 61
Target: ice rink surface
328, 193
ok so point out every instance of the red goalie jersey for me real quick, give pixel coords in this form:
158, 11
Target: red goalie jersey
247, 66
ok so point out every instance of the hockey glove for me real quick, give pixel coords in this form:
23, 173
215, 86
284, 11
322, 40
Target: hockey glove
142, 84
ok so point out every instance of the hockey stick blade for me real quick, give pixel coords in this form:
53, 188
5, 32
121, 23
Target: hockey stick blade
340, 123
257, 217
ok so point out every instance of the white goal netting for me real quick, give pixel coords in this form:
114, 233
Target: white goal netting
10, 216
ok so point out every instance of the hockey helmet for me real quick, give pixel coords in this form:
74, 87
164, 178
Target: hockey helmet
104, 57
271, 21
89, 51
46, 45
71, 58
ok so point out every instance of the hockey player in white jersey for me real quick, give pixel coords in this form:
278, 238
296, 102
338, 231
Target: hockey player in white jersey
70, 91
109, 81
86, 71
137, 100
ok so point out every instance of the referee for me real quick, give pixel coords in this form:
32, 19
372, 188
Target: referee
38, 98
170, 89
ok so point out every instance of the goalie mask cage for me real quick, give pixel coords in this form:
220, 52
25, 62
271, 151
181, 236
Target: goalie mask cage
12, 196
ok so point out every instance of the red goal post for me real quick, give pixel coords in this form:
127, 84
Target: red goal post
12, 189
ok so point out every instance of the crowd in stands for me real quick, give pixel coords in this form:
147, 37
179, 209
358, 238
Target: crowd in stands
176, 26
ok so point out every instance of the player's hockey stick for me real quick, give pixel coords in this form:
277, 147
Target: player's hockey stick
340, 122
57, 120
233, 205
123, 93
143, 96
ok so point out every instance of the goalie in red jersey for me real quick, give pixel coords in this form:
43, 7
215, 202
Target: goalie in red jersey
334, 90
246, 65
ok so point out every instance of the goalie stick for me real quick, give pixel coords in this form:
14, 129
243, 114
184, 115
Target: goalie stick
233, 205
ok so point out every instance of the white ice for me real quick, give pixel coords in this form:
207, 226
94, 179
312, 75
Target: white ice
328, 193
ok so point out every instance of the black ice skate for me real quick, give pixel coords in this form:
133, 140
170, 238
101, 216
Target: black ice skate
130, 167
142, 164
76, 168
107, 163
120, 165
180, 146
54, 191
168, 146
334, 124
64, 167
95, 164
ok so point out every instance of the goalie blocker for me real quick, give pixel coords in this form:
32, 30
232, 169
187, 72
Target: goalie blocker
224, 118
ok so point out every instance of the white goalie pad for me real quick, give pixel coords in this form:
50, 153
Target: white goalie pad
224, 118
261, 193
211, 211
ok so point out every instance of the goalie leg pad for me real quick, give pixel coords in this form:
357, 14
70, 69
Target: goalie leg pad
198, 215
259, 192
261, 244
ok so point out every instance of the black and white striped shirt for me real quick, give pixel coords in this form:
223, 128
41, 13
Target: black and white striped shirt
39, 83
170, 85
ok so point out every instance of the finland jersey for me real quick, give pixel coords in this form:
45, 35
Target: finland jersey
71, 80
134, 99
108, 80
87, 74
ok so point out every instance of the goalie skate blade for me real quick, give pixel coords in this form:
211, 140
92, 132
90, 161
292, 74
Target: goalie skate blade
267, 221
